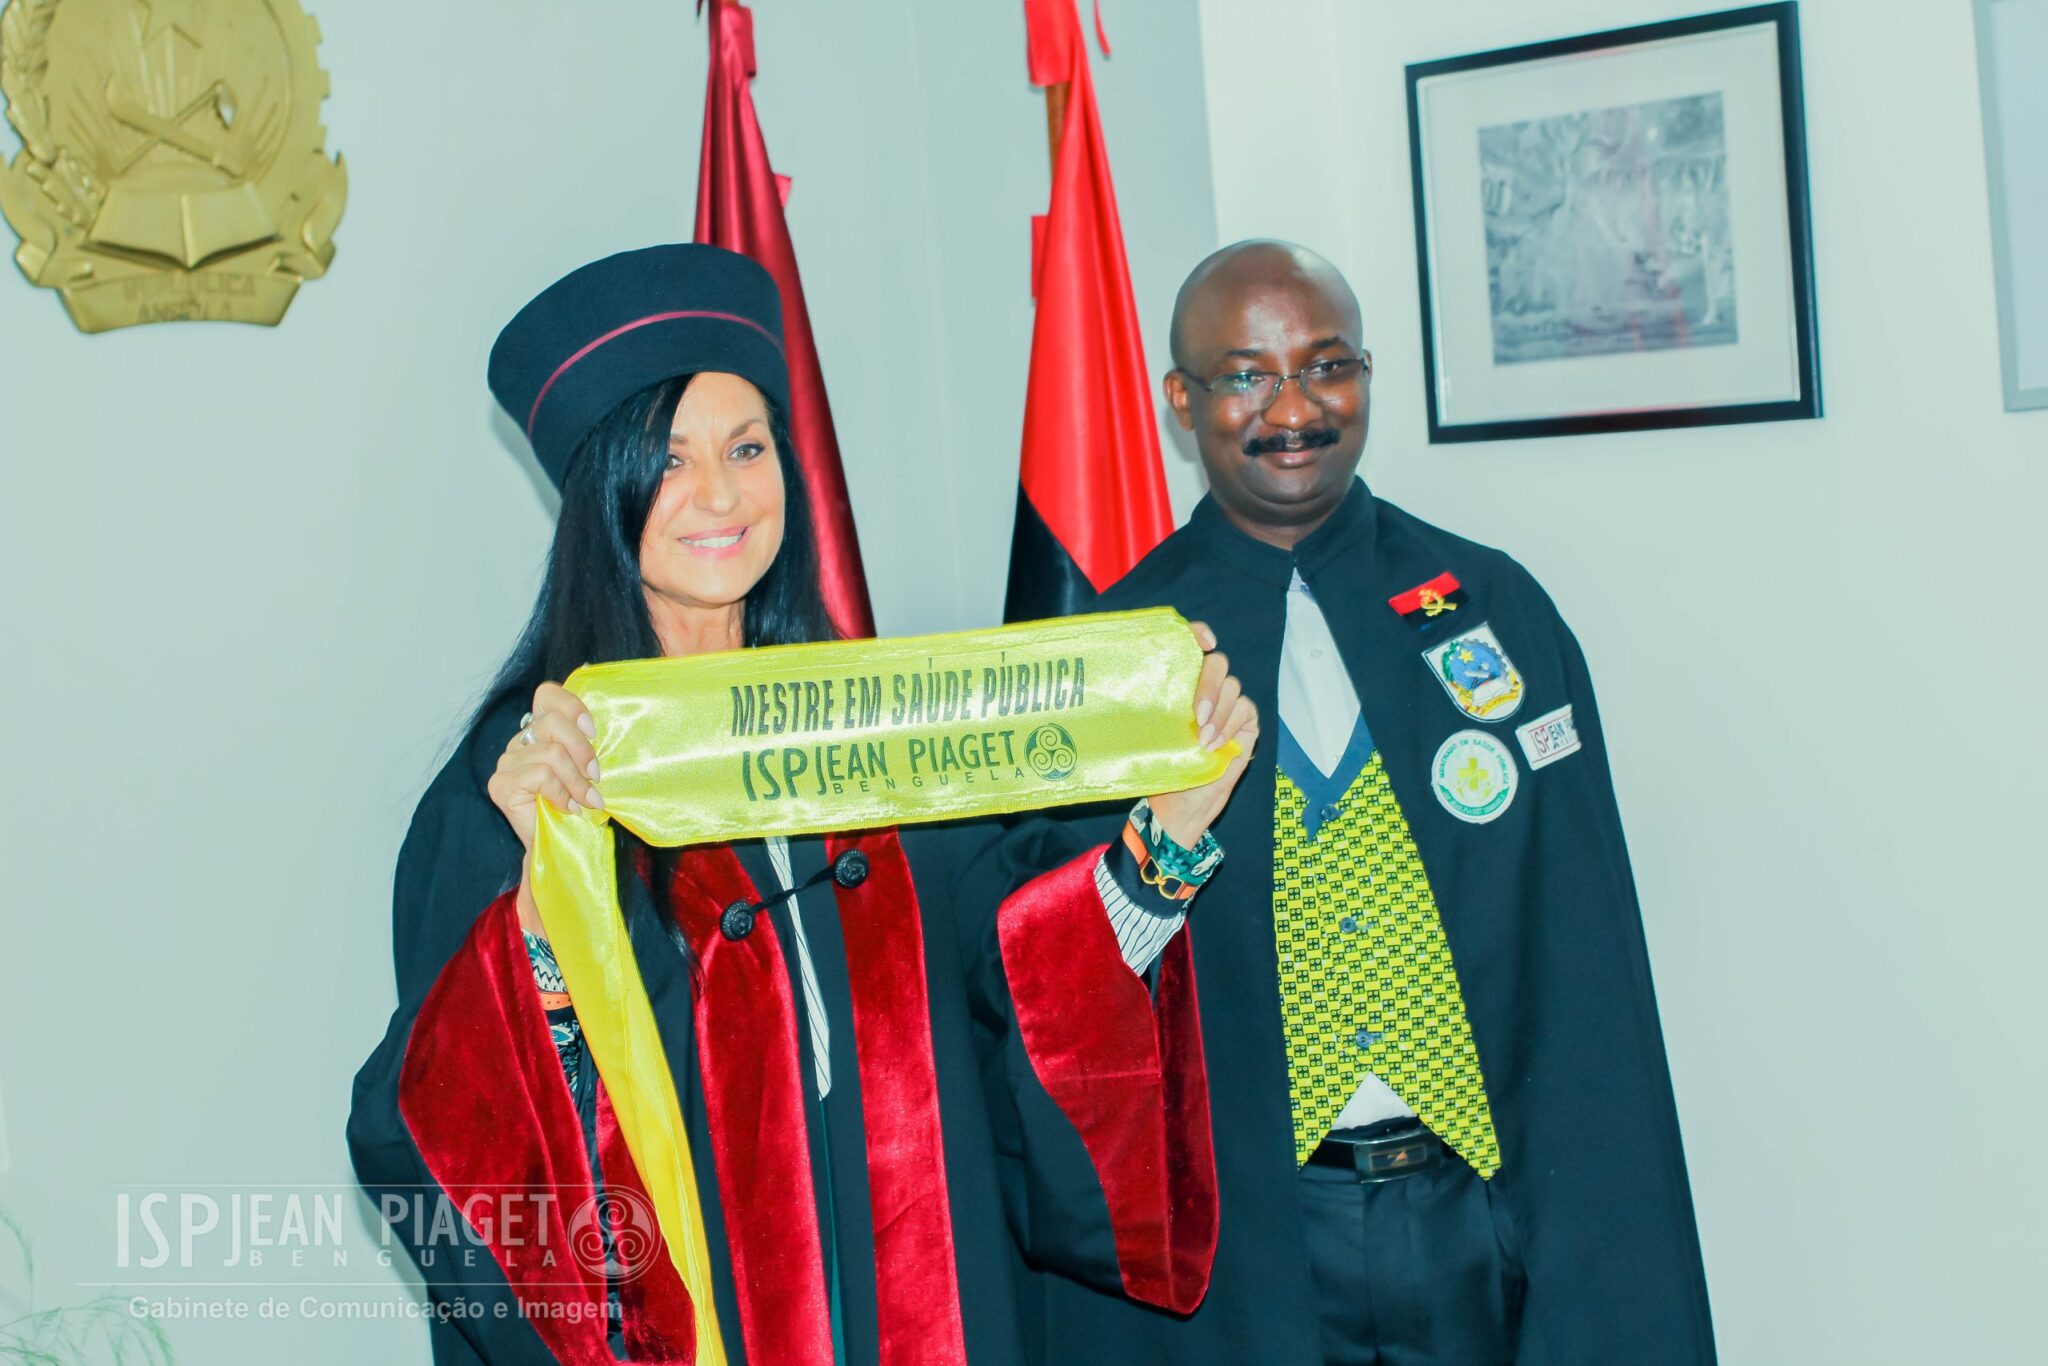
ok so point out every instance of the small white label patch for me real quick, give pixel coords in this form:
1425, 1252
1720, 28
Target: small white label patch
1474, 776
1549, 738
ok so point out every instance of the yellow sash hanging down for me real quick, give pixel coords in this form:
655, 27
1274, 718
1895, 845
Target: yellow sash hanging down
843, 736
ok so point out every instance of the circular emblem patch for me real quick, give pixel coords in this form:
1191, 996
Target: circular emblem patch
1474, 776
1050, 752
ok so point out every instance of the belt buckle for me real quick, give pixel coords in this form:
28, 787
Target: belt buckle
1377, 1160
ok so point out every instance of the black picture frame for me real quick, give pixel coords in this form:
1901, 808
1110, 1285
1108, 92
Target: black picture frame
1798, 244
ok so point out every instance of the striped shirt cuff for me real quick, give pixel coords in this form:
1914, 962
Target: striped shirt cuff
1145, 922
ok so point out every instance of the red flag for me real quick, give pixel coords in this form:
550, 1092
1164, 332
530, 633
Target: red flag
1091, 499
739, 207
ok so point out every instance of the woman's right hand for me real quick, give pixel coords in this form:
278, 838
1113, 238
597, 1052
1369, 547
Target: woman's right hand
550, 757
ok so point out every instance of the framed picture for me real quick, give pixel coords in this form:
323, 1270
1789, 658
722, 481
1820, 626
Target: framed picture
2012, 71
1612, 231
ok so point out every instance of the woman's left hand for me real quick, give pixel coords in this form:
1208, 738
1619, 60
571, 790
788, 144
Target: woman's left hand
1223, 713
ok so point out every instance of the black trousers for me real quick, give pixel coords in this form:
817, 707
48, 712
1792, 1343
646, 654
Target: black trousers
1416, 1271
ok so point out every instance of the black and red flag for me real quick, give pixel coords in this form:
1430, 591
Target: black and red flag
739, 207
1091, 498
1421, 605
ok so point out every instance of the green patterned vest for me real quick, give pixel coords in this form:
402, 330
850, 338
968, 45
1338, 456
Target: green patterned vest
1366, 981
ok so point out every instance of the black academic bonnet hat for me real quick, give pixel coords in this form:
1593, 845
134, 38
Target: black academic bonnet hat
601, 334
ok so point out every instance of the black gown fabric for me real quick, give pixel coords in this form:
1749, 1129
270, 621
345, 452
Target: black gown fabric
460, 857
1540, 910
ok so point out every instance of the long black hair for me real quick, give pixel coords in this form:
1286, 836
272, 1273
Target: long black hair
592, 608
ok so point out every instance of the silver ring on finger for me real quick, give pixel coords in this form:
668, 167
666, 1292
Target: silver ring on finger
526, 736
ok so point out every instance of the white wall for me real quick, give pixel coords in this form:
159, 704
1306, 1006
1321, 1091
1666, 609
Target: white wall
1818, 666
253, 577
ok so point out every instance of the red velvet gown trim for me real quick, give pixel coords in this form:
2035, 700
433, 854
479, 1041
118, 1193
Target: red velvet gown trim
916, 1282
659, 1326
483, 1096
1126, 1069
916, 1285
748, 1057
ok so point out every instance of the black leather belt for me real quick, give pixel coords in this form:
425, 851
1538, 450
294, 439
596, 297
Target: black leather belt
1385, 1151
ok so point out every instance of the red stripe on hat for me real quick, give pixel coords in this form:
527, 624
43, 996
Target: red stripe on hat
1443, 585
620, 331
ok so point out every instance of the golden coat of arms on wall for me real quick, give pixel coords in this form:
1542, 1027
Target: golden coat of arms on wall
173, 163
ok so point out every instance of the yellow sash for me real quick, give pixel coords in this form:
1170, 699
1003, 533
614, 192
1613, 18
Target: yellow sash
843, 736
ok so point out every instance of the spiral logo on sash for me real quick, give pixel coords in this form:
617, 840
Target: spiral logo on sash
1050, 752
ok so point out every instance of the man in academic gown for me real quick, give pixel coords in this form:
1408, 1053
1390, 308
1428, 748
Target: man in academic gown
1444, 1123
828, 1024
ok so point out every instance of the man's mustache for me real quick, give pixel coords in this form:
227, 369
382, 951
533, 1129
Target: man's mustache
1307, 439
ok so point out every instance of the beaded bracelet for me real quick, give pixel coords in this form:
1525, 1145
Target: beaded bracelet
1163, 862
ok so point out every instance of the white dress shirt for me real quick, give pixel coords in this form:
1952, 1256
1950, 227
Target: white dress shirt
814, 1000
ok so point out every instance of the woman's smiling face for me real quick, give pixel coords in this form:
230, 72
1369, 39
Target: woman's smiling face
717, 519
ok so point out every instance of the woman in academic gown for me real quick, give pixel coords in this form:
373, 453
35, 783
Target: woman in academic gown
893, 1091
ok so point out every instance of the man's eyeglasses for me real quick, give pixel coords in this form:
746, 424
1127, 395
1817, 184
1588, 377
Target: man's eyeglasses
1324, 381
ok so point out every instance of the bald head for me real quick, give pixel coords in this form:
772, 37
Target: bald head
1270, 374
1218, 289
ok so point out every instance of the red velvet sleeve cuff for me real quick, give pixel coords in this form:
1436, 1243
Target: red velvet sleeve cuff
1125, 1067
484, 1099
